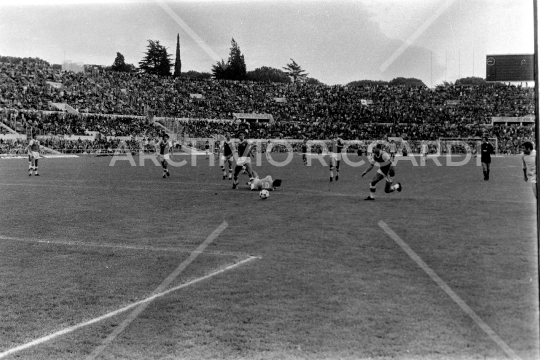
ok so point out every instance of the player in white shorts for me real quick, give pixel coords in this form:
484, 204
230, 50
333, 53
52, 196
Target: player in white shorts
226, 156
33, 149
423, 149
243, 159
393, 149
529, 164
263, 184
165, 147
386, 171
336, 147
370, 147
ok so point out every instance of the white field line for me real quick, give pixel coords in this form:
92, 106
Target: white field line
50, 156
449, 291
164, 284
118, 246
119, 311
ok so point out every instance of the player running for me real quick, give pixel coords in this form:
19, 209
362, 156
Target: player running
165, 147
266, 183
304, 151
529, 165
243, 159
386, 171
486, 149
33, 149
226, 156
336, 147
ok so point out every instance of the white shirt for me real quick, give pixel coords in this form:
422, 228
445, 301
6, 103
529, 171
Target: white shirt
529, 163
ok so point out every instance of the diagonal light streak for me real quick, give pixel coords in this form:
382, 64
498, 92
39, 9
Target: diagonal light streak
192, 34
396, 54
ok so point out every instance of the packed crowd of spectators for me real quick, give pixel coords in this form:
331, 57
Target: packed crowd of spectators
102, 146
58, 123
28, 86
299, 110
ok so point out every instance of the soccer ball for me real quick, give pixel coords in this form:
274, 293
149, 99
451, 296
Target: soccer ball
264, 194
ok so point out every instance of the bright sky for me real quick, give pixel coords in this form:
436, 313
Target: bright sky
334, 41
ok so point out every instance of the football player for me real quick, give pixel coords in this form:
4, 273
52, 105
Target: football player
243, 159
226, 156
336, 147
165, 147
529, 164
424, 149
486, 150
392, 150
207, 148
304, 151
265, 183
386, 171
33, 149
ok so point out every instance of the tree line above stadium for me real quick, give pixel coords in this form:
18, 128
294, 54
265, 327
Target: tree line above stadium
158, 61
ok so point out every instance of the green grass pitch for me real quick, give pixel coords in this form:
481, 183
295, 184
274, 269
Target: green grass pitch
85, 239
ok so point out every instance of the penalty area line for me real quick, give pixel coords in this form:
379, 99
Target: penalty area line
120, 246
121, 310
492, 334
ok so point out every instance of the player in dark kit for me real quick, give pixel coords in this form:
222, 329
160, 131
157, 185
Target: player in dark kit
304, 151
486, 149
165, 147
226, 156
207, 148
386, 171
243, 160
336, 147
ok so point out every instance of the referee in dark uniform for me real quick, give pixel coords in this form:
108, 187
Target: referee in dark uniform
486, 150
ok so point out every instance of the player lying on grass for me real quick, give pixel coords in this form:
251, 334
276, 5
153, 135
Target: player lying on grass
243, 159
386, 171
33, 149
529, 165
265, 183
165, 147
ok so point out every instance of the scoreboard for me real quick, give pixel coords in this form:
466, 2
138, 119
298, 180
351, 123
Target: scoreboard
509, 67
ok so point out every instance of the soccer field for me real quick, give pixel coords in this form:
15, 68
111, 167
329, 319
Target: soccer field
446, 269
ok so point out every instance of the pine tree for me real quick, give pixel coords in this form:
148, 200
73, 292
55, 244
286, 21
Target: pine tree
234, 69
237, 64
156, 60
295, 71
120, 64
266, 73
219, 70
177, 62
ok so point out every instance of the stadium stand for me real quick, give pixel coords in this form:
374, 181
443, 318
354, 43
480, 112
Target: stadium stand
117, 104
